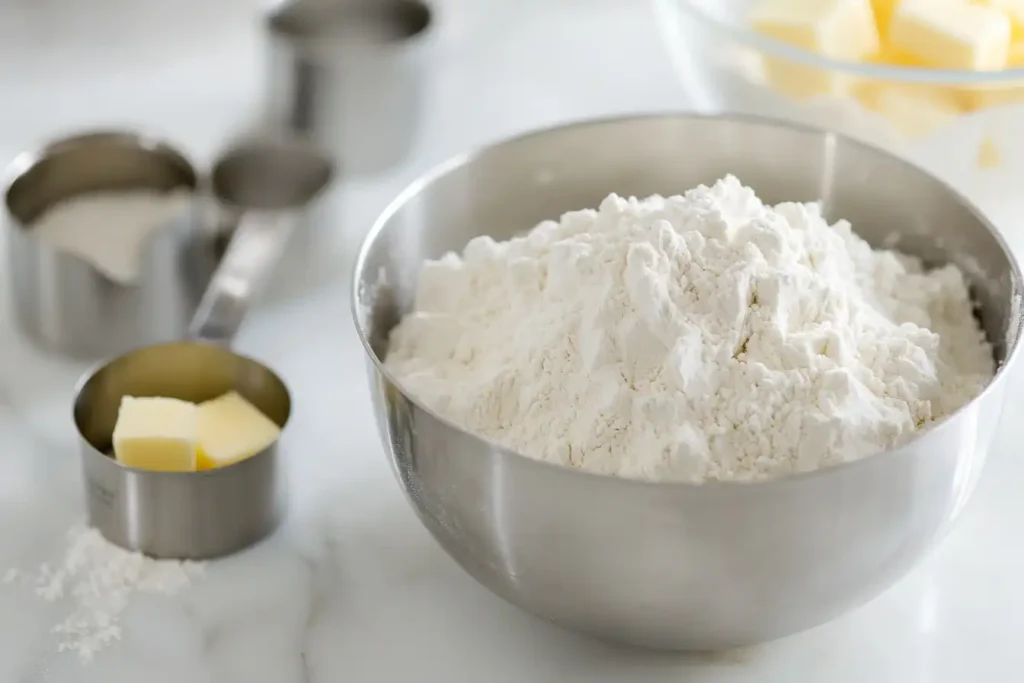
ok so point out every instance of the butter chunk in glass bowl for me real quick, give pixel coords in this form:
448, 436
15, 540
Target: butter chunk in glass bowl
940, 82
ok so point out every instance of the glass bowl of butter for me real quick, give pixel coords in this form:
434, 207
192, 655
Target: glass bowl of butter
940, 82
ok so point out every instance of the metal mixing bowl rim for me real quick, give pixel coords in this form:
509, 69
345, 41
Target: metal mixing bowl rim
226, 470
442, 169
886, 72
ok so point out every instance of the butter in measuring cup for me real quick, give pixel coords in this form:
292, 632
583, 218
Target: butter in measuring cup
170, 435
230, 430
157, 433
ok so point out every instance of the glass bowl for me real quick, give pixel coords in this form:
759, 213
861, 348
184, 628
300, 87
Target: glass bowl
965, 126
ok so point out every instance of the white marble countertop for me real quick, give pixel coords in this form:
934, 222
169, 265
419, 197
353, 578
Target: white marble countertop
353, 588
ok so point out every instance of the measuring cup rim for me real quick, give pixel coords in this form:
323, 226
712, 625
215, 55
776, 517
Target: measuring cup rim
25, 161
281, 143
276, 26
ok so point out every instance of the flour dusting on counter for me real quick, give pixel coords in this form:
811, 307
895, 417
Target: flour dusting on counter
98, 580
691, 338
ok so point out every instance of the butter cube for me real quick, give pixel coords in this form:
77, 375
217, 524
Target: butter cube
802, 80
154, 433
951, 34
841, 29
884, 10
890, 56
1016, 57
916, 111
231, 429
986, 96
1013, 9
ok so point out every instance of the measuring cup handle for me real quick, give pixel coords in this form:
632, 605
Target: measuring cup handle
252, 253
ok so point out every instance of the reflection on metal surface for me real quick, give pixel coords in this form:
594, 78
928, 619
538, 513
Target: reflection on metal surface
67, 305
674, 565
219, 511
348, 74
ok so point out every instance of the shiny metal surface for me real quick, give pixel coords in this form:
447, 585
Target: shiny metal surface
174, 514
348, 74
679, 566
216, 512
65, 304
265, 186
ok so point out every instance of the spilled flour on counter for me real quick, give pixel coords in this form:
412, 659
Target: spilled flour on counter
691, 338
98, 579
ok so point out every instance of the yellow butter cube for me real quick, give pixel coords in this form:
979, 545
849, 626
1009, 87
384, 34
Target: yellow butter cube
841, 29
155, 433
987, 96
1016, 58
916, 111
231, 429
883, 13
951, 34
890, 56
1013, 9
801, 80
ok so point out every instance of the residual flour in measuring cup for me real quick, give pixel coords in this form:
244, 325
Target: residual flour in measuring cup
109, 230
104, 251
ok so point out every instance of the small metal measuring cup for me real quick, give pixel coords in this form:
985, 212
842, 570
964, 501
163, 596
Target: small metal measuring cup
70, 306
349, 74
213, 512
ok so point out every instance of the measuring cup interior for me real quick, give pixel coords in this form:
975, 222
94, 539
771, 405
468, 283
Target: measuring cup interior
91, 163
271, 175
328, 26
267, 184
190, 371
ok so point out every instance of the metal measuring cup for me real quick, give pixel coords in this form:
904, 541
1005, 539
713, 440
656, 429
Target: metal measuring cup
214, 512
64, 303
349, 75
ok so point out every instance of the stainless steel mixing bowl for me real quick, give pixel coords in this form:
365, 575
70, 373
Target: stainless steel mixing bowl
679, 566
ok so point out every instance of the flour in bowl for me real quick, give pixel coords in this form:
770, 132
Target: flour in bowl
691, 338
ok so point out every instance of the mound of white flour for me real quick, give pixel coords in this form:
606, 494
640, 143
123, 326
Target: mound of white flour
692, 338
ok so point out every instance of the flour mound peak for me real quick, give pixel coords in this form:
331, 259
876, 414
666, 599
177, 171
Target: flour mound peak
706, 336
